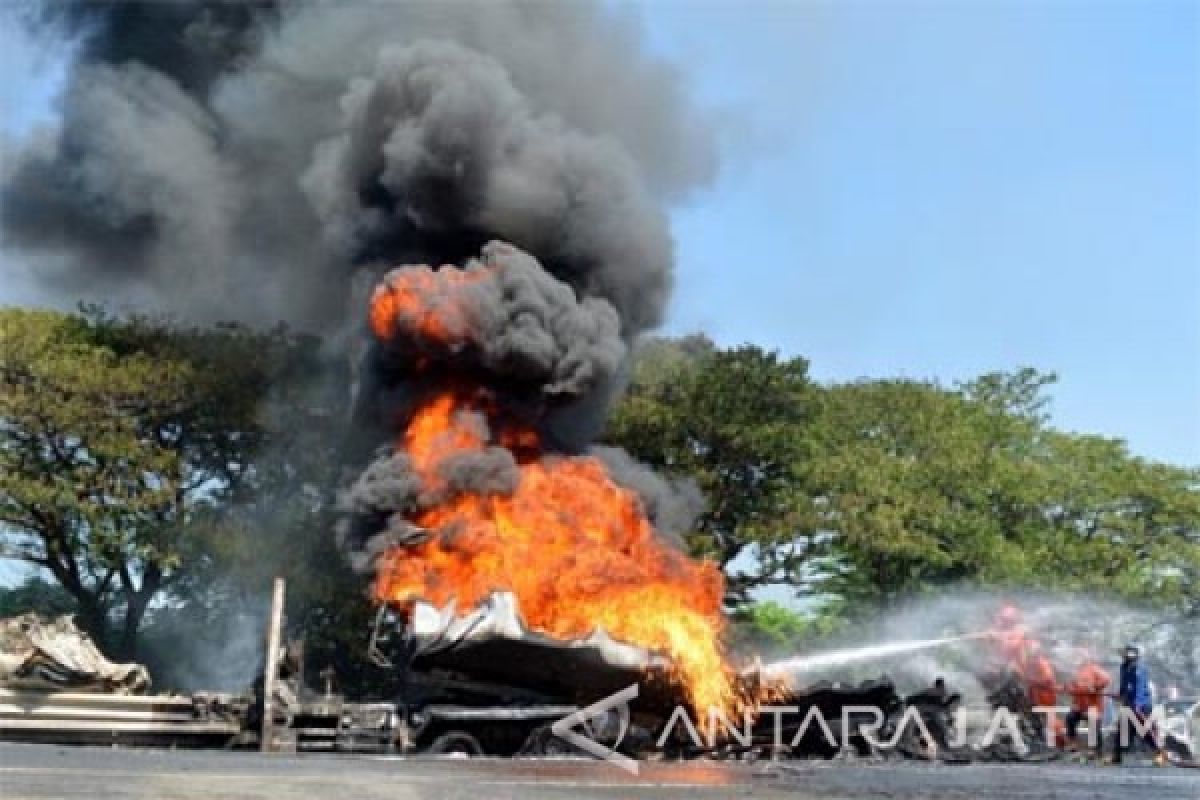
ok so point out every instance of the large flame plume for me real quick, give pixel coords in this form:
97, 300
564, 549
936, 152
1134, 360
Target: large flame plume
276, 153
576, 548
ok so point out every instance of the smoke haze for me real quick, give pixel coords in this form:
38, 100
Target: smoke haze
1063, 625
234, 160
500, 173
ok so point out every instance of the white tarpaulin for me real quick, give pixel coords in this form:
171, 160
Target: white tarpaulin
438, 629
41, 654
492, 640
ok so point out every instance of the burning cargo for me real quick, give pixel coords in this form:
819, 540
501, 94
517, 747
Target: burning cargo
520, 255
478, 498
491, 642
286, 151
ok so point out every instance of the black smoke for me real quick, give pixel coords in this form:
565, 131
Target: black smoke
529, 343
522, 326
265, 161
193, 42
241, 159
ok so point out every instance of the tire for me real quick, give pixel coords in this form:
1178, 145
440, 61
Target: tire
455, 743
541, 742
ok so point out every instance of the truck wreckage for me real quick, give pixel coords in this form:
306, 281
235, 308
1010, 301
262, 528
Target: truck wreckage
473, 684
56, 685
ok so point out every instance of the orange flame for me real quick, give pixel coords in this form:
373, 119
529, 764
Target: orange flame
424, 304
574, 547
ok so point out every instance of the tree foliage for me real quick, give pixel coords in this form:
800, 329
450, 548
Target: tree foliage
874, 490
162, 475
735, 422
929, 486
121, 441
35, 594
767, 625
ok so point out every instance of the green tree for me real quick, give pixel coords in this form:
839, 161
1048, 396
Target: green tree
926, 486
1109, 521
35, 594
121, 443
907, 472
735, 422
768, 625
873, 490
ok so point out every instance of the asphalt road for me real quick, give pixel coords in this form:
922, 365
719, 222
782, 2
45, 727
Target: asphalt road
43, 771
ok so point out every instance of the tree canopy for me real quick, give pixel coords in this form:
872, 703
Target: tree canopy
929, 486
162, 474
878, 489
35, 594
121, 441
738, 423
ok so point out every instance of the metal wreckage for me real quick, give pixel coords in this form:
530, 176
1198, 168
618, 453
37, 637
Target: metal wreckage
522, 579
475, 684
512, 254
483, 684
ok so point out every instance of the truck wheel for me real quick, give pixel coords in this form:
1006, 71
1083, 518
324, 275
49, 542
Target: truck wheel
542, 742
456, 742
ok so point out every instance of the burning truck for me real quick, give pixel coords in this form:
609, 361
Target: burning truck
493, 178
498, 244
520, 571
505, 262
507, 548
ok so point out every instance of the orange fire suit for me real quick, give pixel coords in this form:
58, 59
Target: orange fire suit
1087, 701
1087, 688
1043, 689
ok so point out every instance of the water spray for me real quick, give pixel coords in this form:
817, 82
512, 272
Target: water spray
838, 658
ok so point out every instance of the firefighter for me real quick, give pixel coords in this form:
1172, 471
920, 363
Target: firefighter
1041, 684
1009, 650
1087, 688
1009, 616
1134, 694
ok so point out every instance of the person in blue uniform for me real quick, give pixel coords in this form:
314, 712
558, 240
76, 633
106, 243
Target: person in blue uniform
1134, 694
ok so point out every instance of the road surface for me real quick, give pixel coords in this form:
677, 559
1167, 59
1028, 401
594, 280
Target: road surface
44, 771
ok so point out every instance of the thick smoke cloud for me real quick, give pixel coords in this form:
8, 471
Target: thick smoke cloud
192, 42
439, 146
374, 505
268, 162
134, 180
233, 160
387, 484
514, 321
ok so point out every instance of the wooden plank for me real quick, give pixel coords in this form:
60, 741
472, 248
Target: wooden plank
271, 668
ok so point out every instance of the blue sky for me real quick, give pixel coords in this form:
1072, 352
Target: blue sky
933, 190
937, 189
